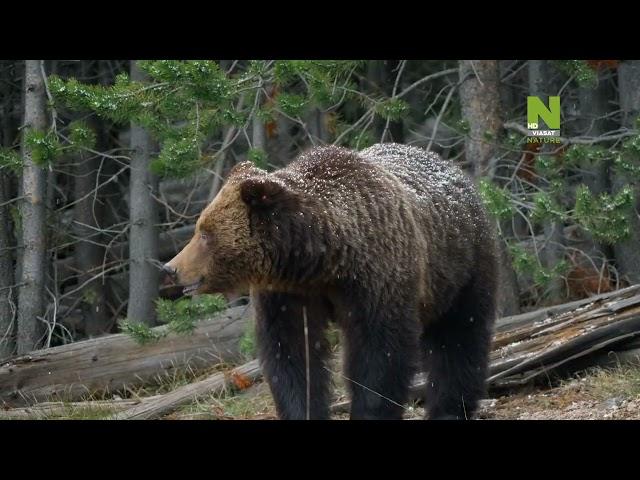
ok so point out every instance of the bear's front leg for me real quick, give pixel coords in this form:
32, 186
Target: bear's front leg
282, 352
381, 344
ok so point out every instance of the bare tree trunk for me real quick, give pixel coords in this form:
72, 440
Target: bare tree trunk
553, 251
33, 215
395, 129
88, 252
508, 302
627, 253
7, 327
591, 269
88, 213
258, 133
317, 124
228, 134
7, 340
594, 107
143, 235
381, 76
480, 101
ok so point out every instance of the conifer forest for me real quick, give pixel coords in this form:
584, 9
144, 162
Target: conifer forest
106, 165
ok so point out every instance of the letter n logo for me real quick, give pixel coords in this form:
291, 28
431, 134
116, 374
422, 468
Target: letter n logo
551, 116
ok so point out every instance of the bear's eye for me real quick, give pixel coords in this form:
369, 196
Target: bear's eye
204, 236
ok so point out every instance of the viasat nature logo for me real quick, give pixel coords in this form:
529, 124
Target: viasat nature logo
536, 110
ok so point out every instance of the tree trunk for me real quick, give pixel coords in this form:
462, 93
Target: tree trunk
590, 273
594, 105
627, 253
7, 327
228, 134
89, 253
143, 235
480, 101
258, 133
395, 129
508, 302
33, 215
381, 76
318, 126
553, 250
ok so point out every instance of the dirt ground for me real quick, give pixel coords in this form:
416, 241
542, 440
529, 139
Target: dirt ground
573, 401
595, 395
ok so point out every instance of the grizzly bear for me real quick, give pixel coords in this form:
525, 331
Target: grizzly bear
391, 243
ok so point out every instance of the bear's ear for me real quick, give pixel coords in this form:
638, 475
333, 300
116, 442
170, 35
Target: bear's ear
261, 192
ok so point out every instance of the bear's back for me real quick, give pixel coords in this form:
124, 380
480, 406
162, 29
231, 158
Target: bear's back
403, 206
423, 172
349, 179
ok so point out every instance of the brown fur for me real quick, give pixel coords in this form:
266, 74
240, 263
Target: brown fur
389, 242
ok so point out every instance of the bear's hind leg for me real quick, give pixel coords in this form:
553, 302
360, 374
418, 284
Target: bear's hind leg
380, 354
282, 352
455, 351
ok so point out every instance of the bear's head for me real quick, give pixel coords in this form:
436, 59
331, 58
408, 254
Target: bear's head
238, 235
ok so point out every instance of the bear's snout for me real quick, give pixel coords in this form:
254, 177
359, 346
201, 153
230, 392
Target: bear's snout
169, 270
169, 275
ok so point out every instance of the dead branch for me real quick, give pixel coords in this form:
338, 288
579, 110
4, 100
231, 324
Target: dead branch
156, 407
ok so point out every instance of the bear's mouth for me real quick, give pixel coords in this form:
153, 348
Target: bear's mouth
190, 289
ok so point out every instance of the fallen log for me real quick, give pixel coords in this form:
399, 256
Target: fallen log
150, 408
113, 362
46, 410
525, 350
525, 347
538, 343
507, 323
603, 330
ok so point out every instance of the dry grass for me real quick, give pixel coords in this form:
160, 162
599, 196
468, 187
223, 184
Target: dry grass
622, 382
253, 403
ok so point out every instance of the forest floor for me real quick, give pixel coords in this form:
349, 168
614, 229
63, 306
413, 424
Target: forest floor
599, 394
595, 395
591, 395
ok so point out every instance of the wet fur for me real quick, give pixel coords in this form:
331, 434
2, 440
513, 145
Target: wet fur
392, 243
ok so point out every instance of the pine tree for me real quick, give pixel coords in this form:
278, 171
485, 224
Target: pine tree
143, 217
35, 145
